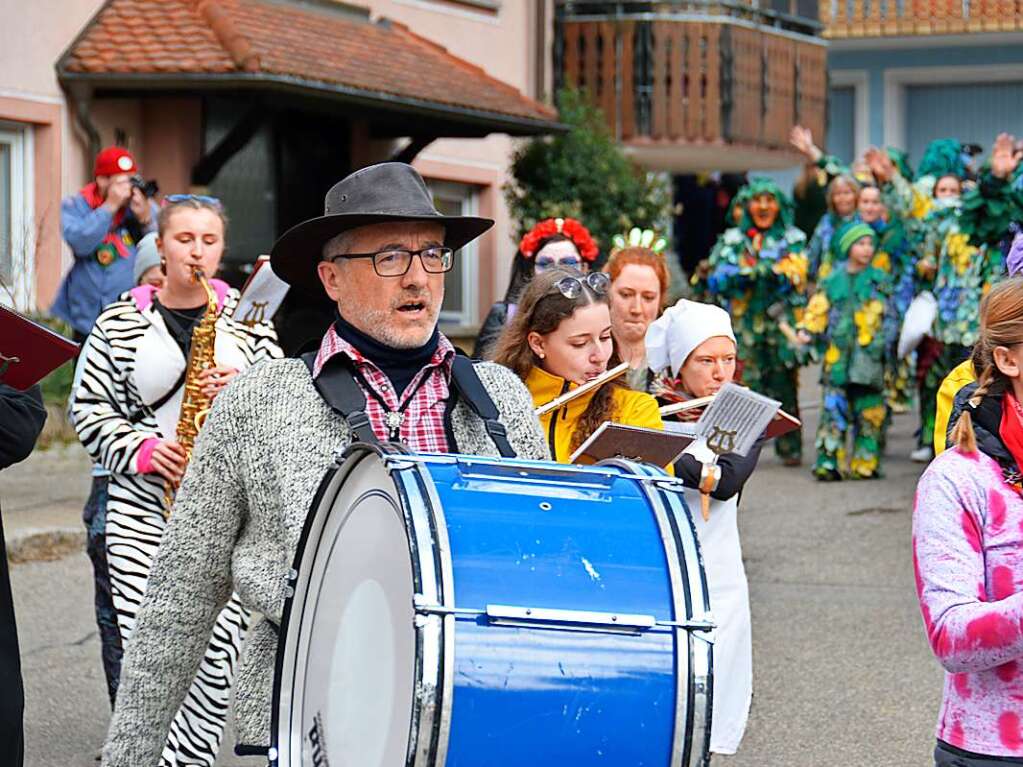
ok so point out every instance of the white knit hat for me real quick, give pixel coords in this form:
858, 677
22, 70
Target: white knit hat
671, 338
146, 256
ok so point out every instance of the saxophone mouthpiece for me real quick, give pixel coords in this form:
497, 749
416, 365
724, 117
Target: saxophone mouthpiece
197, 274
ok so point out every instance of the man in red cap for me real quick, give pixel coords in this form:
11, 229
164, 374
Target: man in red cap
102, 224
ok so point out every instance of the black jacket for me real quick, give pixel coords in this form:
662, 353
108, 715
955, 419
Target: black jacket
735, 470
987, 421
491, 329
21, 419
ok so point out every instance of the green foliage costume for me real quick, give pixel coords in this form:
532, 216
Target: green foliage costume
845, 318
758, 274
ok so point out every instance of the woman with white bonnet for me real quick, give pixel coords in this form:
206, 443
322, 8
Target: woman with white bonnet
694, 344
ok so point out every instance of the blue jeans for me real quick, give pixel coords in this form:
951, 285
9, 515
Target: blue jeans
95, 518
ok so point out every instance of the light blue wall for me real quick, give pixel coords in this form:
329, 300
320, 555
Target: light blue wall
875, 62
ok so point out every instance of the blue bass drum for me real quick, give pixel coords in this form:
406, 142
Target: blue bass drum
463, 611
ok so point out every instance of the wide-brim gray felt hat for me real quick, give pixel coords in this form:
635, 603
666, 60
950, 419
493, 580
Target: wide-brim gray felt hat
389, 191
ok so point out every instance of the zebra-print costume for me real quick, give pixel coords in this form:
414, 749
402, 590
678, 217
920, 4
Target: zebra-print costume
132, 360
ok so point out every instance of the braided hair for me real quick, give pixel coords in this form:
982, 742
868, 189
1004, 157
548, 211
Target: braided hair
1001, 324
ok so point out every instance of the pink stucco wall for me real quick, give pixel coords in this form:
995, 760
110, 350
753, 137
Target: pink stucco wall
502, 43
32, 38
165, 134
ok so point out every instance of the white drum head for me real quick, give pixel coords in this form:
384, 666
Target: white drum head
354, 659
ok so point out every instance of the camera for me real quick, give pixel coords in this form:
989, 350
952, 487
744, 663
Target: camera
149, 188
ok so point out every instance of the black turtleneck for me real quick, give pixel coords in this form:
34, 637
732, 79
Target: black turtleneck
399, 365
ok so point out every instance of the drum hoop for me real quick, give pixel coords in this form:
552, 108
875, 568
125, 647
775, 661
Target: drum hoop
283, 662
445, 596
661, 501
679, 510
414, 492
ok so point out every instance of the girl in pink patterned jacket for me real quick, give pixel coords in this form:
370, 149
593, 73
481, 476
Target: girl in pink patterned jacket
968, 550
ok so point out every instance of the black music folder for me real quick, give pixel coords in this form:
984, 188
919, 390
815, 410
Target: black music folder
29, 351
615, 440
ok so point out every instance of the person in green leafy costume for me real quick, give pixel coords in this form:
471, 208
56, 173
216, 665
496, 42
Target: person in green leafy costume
842, 193
757, 272
844, 324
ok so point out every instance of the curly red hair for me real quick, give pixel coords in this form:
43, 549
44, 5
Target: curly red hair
570, 228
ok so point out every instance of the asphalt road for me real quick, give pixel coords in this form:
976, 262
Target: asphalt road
842, 672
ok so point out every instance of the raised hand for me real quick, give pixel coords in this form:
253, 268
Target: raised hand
1005, 156
802, 139
880, 164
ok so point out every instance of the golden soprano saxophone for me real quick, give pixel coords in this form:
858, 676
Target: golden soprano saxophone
194, 404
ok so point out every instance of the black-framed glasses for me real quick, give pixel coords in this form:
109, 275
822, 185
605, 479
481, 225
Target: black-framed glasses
203, 198
396, 262
572, 287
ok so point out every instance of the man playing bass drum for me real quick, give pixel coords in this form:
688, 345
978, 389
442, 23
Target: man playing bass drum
380, 252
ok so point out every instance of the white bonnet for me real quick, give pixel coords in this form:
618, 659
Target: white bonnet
671, 338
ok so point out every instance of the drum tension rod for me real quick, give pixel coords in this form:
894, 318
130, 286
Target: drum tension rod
579, 620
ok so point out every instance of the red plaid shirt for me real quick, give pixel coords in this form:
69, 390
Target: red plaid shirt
422, 427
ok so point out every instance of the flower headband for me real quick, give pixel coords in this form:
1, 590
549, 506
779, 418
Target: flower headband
569, 227
640, 238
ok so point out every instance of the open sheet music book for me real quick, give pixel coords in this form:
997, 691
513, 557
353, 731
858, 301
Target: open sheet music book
262, 294
736, 418
782, 423
613, 440
689, 404
29, 351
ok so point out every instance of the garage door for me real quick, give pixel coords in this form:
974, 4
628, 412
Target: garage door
971, 112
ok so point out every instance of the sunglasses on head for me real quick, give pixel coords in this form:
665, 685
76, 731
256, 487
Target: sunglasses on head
201, 198
572, 287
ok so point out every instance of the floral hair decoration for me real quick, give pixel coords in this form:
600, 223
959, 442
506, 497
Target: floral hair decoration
572, 229
640, 238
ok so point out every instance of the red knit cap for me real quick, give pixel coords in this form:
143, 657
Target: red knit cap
112, 161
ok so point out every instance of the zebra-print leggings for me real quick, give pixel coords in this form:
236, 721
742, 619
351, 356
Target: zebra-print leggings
134, 529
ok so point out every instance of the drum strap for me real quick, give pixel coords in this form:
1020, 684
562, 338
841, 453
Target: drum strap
339, 389
471, 388
336, 384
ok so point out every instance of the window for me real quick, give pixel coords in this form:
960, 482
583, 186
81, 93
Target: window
460, 284
17, 233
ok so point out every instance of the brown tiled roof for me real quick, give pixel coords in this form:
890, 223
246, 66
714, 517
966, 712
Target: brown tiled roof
290, 43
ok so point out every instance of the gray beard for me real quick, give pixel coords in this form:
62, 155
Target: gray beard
374, 324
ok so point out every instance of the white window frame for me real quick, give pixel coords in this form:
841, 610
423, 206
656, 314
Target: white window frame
859, 81
468, 197
19, 138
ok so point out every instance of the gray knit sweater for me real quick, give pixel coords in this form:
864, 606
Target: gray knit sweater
237, 519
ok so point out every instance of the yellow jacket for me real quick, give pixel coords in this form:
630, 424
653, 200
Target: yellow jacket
632, 408
960, 376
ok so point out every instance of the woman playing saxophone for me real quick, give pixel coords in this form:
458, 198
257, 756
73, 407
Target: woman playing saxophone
155, 358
